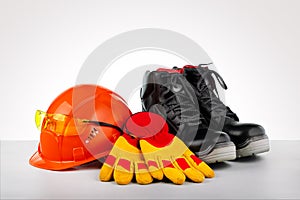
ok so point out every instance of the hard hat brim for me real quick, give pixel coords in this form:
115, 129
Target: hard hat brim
37, 160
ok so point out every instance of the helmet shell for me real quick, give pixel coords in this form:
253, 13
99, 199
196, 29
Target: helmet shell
81, 145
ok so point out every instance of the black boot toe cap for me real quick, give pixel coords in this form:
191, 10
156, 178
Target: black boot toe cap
241, 132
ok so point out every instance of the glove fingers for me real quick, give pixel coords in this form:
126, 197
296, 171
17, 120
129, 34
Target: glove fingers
142, 175
199, 164
154, 169
123, 172
172, 173
122, 177
192, 173
106, 173
153, 166
107, 168
206, 170
165, 166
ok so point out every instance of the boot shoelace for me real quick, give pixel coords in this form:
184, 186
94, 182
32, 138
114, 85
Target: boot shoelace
207, 74
185, 109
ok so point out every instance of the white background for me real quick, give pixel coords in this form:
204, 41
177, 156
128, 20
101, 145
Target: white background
255, 45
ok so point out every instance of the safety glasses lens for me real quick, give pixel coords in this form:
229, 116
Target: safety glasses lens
58, 123
39, 117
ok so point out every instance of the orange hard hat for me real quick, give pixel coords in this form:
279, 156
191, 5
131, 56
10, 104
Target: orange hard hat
81, 125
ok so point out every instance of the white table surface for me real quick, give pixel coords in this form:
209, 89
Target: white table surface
274, 175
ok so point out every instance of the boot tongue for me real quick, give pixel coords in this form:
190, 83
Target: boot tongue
189, 66
178, 71
195, 75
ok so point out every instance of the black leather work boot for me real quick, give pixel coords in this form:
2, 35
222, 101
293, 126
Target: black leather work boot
249, 138
169, 94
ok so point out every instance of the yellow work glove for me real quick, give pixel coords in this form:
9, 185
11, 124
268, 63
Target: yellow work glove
165, 154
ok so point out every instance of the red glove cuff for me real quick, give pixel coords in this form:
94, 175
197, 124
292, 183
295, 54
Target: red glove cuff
149, 126
131, 140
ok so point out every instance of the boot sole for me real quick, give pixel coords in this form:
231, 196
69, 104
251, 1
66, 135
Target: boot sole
255, 146
220, 153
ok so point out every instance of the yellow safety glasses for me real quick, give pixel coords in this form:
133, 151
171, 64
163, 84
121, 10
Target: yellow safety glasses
61, 124
58, 123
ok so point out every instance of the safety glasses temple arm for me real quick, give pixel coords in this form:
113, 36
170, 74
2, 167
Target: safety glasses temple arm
104, 124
